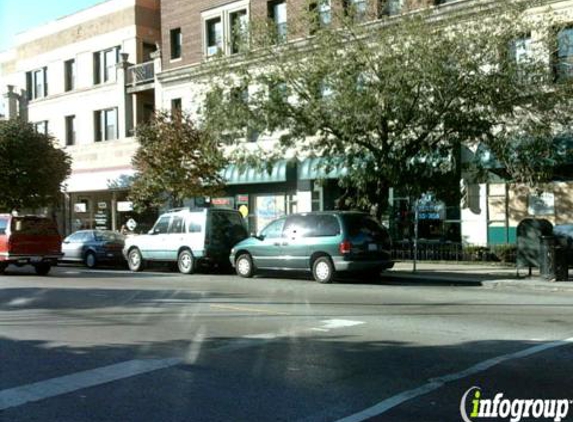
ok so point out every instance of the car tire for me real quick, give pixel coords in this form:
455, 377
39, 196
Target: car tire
186, 262
42, 269
244, 266
3, 267
90, 260
135, 260
323, 270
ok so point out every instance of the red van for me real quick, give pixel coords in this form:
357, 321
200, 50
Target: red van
29, 240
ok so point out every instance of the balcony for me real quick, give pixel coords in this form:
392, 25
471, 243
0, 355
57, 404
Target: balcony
140, 77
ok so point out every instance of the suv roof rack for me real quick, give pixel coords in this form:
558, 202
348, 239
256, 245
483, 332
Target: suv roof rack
178, 209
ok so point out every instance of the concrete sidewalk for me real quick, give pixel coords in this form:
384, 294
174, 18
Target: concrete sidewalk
489, 275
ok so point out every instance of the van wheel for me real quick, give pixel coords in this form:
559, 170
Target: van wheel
244, 266
90, 260
186, 262
135, 260
42, 269
3, 267
323, 270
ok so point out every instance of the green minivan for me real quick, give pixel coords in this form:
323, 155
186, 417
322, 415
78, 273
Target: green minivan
322, 242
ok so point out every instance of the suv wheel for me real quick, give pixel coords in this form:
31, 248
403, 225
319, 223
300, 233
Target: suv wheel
135, 260
186, 262
90, 260
323, 270
42, 269
244, 266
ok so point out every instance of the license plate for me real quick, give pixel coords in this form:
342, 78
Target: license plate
372, 247
36, 259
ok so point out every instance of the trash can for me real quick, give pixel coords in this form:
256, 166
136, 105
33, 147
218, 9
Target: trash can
561, 259
547, 257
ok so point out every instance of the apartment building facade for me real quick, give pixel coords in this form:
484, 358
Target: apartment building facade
74, 78
89, 79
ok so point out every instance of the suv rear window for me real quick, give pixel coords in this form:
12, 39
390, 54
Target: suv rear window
34, 226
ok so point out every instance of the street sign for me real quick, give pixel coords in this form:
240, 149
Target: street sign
131, 224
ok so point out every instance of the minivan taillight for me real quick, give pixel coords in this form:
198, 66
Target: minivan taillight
344, 247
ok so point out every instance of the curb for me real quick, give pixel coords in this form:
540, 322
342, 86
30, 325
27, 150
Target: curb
531, 284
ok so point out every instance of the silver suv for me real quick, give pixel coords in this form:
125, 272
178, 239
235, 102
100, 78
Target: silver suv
189, 238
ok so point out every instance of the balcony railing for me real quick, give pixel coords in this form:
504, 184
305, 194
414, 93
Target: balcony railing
140, 74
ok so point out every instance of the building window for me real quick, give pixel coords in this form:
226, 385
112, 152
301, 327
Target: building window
70, 74
564, 60
357, 9
176, 107
106, 125
214, 33
176, 38
105, 62
321, 15
70, 130
37, 83
390, 7
278, 14
239, 21
41, 127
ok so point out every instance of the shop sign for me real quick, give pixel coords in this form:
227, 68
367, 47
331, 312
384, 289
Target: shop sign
101, 220
223, 202
102, 205
542, 204
80, 207
125, 206
242, 199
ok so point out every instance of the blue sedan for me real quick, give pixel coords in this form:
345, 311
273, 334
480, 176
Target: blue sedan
93, 247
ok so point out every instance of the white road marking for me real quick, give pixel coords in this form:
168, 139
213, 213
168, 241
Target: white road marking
327, 325
330, 324
18, 396
439, 382
20, 301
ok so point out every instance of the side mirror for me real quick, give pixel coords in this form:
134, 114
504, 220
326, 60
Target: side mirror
151, 231
66, 241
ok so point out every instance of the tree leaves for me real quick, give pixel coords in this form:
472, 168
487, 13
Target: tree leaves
32, 169
175, 161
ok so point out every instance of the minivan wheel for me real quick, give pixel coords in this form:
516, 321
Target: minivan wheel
42, 269
186, 262
135, 260
323, 270
244, 266
90, 260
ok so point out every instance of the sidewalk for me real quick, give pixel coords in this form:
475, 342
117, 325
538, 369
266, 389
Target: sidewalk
474, 274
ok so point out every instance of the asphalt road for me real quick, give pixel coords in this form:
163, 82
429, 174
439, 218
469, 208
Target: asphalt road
109, 345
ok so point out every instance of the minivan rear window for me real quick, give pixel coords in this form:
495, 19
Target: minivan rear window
34, 226
365, 225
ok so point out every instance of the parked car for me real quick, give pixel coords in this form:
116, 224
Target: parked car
93, 247
188, 238
322, 242
29, 240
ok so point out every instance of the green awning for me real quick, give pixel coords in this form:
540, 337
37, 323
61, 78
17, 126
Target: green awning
316, 168
234, 175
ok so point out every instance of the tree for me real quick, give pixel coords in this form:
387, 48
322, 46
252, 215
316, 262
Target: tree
175, 161
32, 168
395, 101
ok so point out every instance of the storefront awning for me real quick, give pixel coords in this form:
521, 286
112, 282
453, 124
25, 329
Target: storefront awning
234, 175
99, 180
316, 168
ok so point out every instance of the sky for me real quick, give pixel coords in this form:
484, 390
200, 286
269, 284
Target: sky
19, 15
